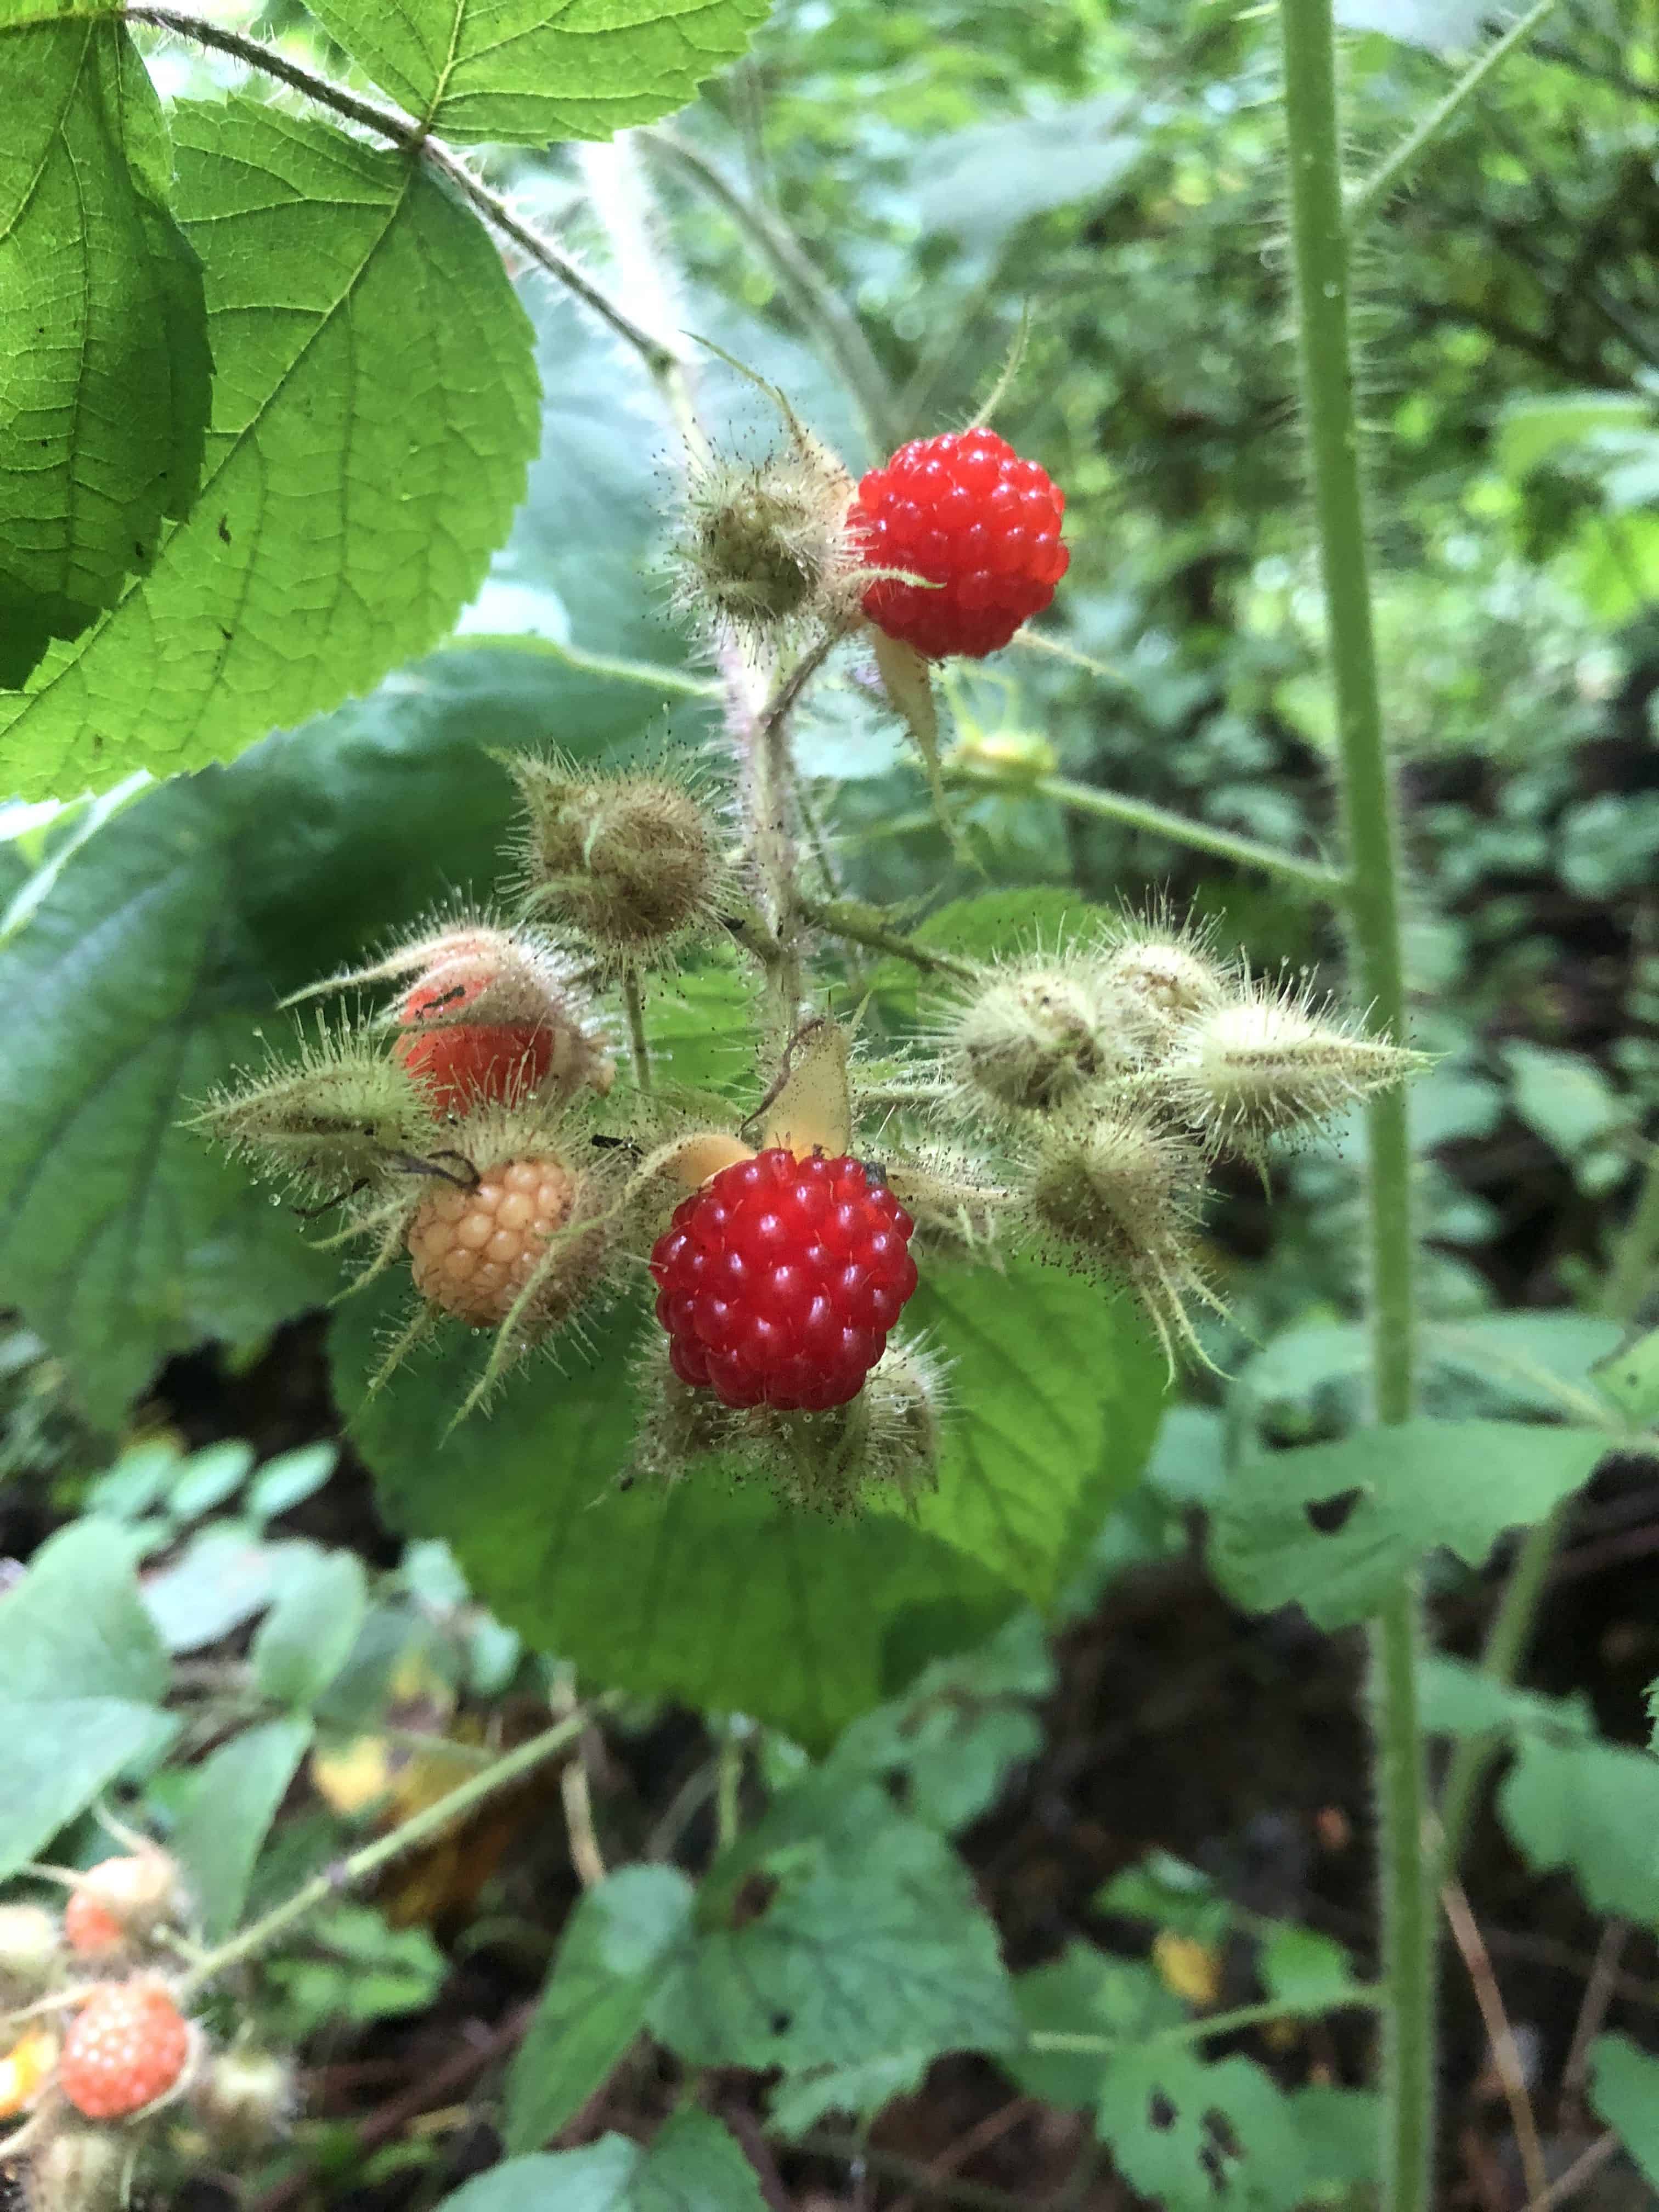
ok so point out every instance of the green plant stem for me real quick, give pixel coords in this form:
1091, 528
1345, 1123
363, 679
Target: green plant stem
421, 1828
1320, 255
1368, 196
846, 918
820, 305
649, 674
1311, 876
1197, 2031
638, 1044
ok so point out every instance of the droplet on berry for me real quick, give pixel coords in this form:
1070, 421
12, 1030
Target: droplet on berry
126, 2048
778, 1281
980, 524
474, 1251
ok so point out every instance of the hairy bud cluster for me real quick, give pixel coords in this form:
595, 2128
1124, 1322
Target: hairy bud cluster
334, 1117
886, 1439
766, 549
1118, 1068
633, 861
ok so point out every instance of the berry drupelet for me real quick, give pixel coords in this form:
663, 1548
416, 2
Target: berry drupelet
779, 1280
979, 523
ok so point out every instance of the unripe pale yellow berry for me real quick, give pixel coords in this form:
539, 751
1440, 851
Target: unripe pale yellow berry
473, 1251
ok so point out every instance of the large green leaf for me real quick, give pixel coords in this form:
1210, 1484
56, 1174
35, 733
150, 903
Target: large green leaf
234, 1795
76, 1627
870, 1945
818, 1619
1624, 2091
692, 2165
104, 370
1332, 1527
1191, 2136
373, 412
614, 1950
148, 969
60, 1752
1575, 1801
531, 71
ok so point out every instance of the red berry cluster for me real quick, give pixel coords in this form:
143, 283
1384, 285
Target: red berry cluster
779, 1280
981, 525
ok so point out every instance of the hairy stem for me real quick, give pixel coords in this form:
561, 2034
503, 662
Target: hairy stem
820, 305
848, 919
1368, 196
1312, 876
638, 1044
420, 1828
1320, 257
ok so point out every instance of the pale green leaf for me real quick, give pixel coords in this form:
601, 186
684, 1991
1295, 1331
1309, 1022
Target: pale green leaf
528, 71
309, 1632
60, 1753
1191, 2136
1085, 1991
1630, 1377
75, 1626
613, 1951
1533, 430
691, 2164
870, 1945
104, 368
1299, 1967
234, 1795
374, 408
1575, 1801
1333, 1526
1623, 2085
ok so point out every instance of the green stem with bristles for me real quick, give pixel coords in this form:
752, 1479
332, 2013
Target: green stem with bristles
1320, 253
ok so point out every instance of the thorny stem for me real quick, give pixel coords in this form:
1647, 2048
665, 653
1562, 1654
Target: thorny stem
1319, 251
420, 1828
414, 137
771, 785
1368, 197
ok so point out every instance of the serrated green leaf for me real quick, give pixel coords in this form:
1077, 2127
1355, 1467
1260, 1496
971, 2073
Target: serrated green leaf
1630, 1377
1085, 1991
309, 1632
529, 71
234, 1795
1593, 1807
1623, 2088
612, 1953
75, 1626
822, 1618
692, 2165
151, 971
870, 1946
60, 1753
105, 379
374, 409
1385, 1497
1192, 2136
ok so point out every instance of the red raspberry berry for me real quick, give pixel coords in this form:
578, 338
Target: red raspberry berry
466, 1064
965, 511
127, 2046
90, 1927
779, 1279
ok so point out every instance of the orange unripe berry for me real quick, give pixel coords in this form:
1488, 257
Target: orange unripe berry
127, 2047
91, 1927
473, 1251
121, 1900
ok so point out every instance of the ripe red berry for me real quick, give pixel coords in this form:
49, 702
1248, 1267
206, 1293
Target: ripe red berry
466, 1064
127, 2045
779, 1280
90, 1927
981, 525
